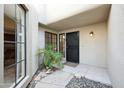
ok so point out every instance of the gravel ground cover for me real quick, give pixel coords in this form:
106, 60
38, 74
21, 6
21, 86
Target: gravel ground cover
36, 78
85, 83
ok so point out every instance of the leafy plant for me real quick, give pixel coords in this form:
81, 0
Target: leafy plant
52, 59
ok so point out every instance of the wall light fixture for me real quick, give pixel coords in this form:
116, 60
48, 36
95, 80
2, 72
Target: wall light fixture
91, 33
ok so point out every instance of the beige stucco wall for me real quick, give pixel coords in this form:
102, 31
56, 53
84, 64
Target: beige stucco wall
41, 12
92, 49
34, 38
1, 43
116, 45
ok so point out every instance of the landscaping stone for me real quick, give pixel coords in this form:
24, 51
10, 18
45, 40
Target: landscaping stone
49, 71
37, 77
85, 83
77, 75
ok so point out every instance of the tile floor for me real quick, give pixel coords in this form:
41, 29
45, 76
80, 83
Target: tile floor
60, 78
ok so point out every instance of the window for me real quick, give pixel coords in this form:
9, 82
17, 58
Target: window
62, 43
14, 44
51, 38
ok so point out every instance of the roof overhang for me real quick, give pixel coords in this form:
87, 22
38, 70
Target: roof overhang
91, 16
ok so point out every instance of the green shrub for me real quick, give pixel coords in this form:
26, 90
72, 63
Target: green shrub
52, 59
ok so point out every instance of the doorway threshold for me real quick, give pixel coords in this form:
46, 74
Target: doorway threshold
71, 64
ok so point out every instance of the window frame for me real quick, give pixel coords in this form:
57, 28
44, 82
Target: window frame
16, 43
24, 60
63, 52
49, 39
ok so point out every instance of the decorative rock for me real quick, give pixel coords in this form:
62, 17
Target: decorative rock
85, 83
77, 75
37, 78
44, 70
42, 74
49, 71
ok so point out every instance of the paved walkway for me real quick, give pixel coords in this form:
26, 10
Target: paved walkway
60, 78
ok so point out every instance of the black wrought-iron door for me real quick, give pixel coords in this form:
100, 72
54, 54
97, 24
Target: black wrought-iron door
72, 47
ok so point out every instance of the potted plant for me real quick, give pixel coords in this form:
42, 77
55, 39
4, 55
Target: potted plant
52, 59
